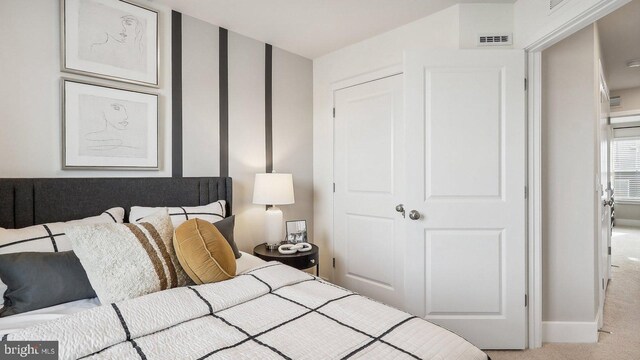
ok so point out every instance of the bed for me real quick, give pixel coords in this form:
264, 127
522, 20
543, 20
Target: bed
269, 310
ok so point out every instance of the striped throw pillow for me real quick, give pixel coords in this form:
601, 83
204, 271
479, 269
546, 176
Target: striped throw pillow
49, 237
212, 213
124, 261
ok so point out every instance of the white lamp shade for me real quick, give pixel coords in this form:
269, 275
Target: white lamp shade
273, 189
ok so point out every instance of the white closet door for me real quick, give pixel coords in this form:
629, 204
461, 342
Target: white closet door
465, 118
369, 181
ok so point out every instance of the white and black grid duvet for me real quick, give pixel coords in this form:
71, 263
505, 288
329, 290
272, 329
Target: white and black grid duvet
272, 312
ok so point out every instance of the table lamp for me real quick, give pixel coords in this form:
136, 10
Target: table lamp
273, 189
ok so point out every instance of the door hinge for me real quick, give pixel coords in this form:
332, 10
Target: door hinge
602, 283
334, 187
334, 262
526, 300
334, 113
526, 192
609, 250
526, 84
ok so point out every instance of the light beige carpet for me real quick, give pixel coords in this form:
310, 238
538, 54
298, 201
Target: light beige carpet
621, 312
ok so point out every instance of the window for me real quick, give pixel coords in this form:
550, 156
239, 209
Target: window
626, 168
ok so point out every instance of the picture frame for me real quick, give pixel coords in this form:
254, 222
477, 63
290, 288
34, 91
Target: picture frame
296, 231
110, 39
108, 128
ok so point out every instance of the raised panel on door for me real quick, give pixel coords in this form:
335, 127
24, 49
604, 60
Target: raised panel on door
368, 122
369, 180
466, 136
463, 157
368, 243
464, 272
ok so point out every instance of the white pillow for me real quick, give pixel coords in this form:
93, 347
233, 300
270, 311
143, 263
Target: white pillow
124, 261
212, 213
49, 237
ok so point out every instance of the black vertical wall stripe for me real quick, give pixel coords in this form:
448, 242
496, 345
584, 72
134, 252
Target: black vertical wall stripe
268, 106
176, 94
224, 101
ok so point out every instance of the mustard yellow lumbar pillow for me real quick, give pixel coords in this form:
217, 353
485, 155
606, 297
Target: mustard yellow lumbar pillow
203, 252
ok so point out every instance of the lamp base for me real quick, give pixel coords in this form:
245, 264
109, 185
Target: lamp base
273, 227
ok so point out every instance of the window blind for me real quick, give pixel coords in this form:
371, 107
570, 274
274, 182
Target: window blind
626, 168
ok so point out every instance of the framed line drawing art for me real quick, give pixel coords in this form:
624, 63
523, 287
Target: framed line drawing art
108, 128
111, 39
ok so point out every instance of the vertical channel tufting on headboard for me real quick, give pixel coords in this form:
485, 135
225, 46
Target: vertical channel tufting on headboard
25, 202
7, 206
212, 191
24, 209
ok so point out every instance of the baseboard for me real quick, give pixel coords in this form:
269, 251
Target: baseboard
570, 332
628, 222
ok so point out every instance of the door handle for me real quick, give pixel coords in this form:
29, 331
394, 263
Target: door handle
414, 215
400, 209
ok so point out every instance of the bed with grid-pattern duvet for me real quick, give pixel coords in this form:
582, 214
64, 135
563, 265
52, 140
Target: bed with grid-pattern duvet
270, 312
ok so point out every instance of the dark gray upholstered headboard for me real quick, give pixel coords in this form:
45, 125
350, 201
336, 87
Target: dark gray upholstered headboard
25, 202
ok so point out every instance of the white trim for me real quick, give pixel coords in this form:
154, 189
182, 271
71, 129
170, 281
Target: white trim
534, 203
628, 202
570, 332
624, 113
622, 125
387, 71
537, 328
628, 222
572, 26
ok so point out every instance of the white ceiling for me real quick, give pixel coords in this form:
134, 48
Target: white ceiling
620, 39
312, 28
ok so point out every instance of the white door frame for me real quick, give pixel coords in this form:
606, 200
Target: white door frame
534, 157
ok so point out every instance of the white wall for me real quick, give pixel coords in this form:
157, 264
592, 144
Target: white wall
569, 154
486, 19
629, 100
200, 98
292, 105
293, 130
246, 133
627, 214
30, 142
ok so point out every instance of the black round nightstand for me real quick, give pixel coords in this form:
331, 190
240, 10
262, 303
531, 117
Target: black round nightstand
299, 260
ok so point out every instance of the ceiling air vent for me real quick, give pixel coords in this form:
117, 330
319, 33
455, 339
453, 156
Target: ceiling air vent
615, 101
494, 39
555, 3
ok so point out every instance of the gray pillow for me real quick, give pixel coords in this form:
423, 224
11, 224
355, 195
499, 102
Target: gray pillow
225, 226
36, 280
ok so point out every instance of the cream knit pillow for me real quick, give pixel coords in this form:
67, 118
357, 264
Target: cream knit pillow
124, 261
49, 237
